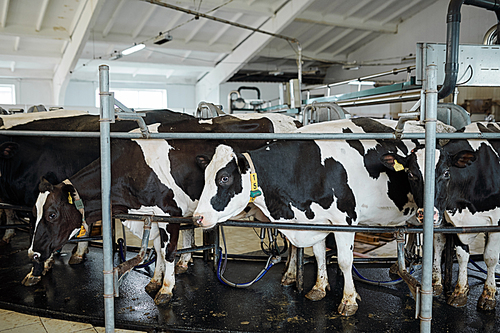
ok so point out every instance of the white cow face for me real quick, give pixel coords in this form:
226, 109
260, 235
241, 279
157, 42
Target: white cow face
227, 188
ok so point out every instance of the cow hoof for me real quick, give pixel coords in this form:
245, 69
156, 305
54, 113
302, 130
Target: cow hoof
437, 290
181, 269
458, 300
31, 280
152, 288
316, 294
162, 299
287, 281
75, 260
347, 309
486, 304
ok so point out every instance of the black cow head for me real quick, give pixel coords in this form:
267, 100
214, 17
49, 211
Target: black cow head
57, 219
444, 165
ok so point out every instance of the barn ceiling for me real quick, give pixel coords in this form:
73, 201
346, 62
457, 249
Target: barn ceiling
69, 39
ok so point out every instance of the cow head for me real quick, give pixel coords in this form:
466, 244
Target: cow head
444, 164
227, 188
57, 219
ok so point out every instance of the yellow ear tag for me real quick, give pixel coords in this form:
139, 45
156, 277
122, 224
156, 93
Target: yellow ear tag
253, 180
398, 166
70, 199
82, 232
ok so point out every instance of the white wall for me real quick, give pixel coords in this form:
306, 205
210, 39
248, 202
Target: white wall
179, 97
31, 91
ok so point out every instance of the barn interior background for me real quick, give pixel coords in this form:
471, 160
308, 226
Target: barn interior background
50, 53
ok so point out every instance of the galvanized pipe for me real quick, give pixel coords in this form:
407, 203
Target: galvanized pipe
256, 136
107, 114
430, 156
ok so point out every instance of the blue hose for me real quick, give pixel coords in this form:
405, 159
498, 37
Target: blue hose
378, 283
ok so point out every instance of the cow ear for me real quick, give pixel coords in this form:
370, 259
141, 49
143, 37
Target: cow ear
463, 158
242, 163
70, 190
8, 149
45, 185
392, 162
202, 161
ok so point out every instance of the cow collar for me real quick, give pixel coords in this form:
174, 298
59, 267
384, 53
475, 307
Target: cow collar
254, 192
79, 205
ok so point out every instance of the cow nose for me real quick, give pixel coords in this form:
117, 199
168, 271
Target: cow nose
198, 220
35, 256
420, 216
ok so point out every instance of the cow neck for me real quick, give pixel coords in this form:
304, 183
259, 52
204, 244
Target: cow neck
79, 205
254, 191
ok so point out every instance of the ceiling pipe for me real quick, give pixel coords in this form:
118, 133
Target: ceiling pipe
453, 36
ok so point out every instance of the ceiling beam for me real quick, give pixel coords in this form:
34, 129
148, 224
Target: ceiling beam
223, 29
400, 11
249, 48
5, 10
41, 15
350, 43
349, 23
23, 31
75, 47
143, 21
112, 19
333, 40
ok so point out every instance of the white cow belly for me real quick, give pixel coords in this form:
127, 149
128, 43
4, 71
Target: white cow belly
467, 219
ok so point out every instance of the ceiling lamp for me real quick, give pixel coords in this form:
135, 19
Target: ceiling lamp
132, 49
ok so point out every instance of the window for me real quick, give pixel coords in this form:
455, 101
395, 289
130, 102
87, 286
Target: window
7, 94
139, 98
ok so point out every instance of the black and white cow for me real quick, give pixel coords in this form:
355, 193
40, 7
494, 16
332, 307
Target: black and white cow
467, 194
159, 175
24, 160
338, 182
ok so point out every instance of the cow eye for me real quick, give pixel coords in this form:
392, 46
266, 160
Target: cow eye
446, 174
51, 216
224, 179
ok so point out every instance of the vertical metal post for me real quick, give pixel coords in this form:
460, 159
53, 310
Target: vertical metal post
106, 110
430, 156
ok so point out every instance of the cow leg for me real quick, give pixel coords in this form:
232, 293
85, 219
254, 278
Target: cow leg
437, 279
318, 292
459, 296
345, 246
155, 284
169, 250
487, 301
186, 258
10, 217
290, 275
78, 253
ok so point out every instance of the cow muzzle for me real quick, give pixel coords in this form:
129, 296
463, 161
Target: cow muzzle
420, 216
201, 221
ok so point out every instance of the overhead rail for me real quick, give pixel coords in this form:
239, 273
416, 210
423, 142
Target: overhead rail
394, 71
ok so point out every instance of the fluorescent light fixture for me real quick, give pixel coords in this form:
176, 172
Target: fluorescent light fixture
132, 49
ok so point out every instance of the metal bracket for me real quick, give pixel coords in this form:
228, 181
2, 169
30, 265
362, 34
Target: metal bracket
138, 117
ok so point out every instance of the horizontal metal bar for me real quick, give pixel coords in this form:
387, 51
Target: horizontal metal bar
14, 226
364, 78
85, 239
15, 207
195, 248
315, 227
258, 136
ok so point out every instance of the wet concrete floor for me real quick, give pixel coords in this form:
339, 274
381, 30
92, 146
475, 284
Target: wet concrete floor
202, 303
